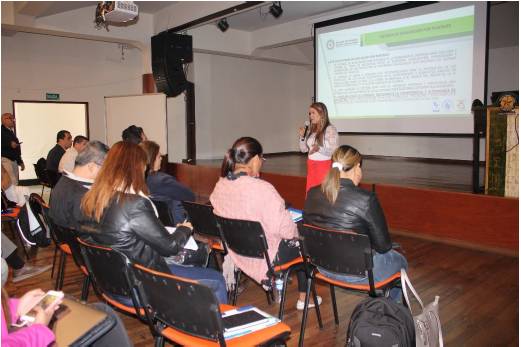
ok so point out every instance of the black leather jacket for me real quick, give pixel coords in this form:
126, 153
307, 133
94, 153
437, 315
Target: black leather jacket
131, 227
354, 208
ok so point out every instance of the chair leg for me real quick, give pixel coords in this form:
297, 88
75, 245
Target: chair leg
54, 260
235, 293
315, 300
283, 297
61, 270
304, 314
333, 303
85, 288
159, 341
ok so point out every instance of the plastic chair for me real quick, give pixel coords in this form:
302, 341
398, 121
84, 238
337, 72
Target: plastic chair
344, 252
203, 220
188, 313
164, 213
65, 241
108, 272
247, 238
41, 173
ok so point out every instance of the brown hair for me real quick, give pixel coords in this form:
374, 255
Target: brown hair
349, 157
242, 151
123, 169
320, 128
152, 150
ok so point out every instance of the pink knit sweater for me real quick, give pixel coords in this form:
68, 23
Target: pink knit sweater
253, 199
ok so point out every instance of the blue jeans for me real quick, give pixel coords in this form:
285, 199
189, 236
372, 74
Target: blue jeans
384, 266
209, 277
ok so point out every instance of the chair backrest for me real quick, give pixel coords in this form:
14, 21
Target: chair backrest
37, 205
177, 302
53, 177
244, 237
202, 218
340, 251
164, 213
107, 268
64, 235
41, 172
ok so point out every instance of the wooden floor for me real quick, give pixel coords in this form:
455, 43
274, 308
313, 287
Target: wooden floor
478, 296
435, 174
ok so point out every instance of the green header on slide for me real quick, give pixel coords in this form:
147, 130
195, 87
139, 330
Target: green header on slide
429, 31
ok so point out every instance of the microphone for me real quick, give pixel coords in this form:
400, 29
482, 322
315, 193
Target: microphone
306, 123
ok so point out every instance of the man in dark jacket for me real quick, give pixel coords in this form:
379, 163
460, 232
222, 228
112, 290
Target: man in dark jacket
63, 142
11, 152
67, 194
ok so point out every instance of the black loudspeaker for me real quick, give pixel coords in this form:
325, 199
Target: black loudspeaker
169, 52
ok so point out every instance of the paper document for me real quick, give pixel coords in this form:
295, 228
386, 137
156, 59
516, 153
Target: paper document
244, 320
191, 244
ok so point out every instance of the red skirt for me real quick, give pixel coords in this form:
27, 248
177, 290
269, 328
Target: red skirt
317, 171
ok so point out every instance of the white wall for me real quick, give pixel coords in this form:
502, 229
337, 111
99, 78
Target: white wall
78, 70
239, 97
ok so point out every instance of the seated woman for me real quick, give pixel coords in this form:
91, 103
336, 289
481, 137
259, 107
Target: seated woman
239, 194
126, 219
338, 203
163, 186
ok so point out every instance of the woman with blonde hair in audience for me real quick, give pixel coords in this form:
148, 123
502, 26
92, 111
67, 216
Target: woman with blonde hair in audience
338, 203
126, 219
240, 194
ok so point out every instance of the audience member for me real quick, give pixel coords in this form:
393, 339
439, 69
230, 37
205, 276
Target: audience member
163, 186
134, 134
340, 204
67, 160
63, 142
67, 194
11, 151
13, 192
38, 334
319, 142
239, 194
127, 220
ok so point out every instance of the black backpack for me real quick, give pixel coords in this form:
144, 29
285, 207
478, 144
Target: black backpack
380, 322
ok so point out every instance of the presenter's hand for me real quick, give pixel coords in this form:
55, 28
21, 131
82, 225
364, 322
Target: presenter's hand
22, 166
14, 145
313, 149
301, 131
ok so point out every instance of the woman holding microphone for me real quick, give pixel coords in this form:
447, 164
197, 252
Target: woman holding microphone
319, 141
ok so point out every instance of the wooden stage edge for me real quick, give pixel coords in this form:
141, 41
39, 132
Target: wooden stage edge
482, 222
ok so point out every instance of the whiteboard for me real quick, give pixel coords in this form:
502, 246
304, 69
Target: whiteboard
38, 122
147, 111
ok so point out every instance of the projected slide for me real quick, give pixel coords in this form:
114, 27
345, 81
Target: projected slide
413, 67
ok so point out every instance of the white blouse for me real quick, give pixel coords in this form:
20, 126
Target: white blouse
328, 147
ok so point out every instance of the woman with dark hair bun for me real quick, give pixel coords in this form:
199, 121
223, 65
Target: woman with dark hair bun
240, 194
340, 204
319, 142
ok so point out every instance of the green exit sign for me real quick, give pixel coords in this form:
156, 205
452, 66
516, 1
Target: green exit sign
52, 96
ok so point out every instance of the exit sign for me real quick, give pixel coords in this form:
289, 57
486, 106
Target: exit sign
52, 96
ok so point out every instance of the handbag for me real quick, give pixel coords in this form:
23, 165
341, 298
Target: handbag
427, 324
188, 257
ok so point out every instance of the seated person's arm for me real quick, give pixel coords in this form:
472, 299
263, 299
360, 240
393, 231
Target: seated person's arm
148, 227
378, 231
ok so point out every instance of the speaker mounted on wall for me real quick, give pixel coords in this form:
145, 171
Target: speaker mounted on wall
169, 52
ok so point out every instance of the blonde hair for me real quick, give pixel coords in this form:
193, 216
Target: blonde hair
348, 157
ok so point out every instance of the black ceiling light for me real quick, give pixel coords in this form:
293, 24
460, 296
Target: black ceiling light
276, 9
223, 25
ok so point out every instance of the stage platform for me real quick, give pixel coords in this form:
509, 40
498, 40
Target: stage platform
422, 173
427, 200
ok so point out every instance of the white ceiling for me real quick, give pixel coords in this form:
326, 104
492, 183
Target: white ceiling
47, 8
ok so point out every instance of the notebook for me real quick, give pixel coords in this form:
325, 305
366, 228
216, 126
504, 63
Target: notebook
244, 320
296, 215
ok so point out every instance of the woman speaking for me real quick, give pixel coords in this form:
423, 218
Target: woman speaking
319, 142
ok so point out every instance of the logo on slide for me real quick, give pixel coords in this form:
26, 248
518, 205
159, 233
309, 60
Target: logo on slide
447, 104
330, 44
460, 105
435, 106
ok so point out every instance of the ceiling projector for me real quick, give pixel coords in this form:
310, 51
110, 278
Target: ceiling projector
121, 11
114, 12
